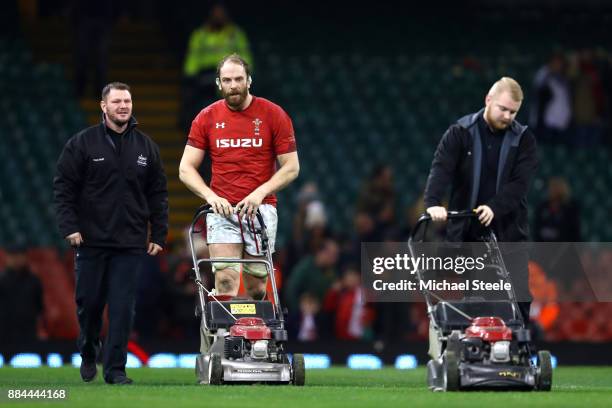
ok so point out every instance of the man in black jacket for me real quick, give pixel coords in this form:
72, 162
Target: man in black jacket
489, 160
109, 188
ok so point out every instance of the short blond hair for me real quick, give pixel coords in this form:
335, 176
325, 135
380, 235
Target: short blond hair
507, 84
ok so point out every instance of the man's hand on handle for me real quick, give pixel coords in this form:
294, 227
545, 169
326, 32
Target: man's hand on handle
485, 214
220, 205
250, 204
75, 239
437, 213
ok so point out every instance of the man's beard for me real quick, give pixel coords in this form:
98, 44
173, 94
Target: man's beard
115, 119
496, 125
233, 101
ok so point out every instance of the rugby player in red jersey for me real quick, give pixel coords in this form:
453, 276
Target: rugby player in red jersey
245, 136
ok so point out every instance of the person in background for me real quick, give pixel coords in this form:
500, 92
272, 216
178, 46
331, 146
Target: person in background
314, 274
557, 219
551, 109
208, 44
21, 299
352, 316
307, 324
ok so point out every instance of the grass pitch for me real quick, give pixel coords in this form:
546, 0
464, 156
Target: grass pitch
335, 387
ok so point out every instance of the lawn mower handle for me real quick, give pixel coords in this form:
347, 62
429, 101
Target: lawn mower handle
206, 209
425, 218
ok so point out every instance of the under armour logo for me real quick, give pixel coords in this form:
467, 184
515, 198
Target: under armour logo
220, 125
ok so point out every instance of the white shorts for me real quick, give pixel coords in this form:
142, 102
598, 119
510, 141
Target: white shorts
222, 230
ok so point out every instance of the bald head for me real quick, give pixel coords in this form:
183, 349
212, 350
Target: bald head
509, 85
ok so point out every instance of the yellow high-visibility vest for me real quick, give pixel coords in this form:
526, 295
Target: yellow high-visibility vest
207, 48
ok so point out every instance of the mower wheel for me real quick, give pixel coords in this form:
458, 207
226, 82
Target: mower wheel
450, 370
453, 342
544, 376
299, 370
215, 369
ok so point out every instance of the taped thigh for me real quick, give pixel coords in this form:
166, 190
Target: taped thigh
255, 269
219, 266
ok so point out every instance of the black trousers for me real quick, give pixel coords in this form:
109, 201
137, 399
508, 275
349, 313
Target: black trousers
517, 264
106, 276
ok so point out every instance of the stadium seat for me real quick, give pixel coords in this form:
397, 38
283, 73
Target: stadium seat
38, 121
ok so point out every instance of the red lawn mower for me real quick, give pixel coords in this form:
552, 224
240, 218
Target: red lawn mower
244, 340
478, 344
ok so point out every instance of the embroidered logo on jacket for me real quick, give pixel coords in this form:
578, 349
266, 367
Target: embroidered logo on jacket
142, 160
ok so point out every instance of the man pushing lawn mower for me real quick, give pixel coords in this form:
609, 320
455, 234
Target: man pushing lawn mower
245, 136
489, 160
479, 342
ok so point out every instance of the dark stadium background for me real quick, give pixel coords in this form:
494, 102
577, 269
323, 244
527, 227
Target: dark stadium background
367, 87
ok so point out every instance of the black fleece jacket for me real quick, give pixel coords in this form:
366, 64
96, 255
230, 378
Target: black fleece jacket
111, 194
458, 162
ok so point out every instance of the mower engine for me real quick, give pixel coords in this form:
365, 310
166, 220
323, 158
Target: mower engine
488, 335
250, 339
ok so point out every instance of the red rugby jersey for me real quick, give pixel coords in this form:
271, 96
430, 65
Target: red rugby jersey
242, 145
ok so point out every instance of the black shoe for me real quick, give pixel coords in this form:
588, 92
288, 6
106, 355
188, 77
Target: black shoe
120, 380
88, 370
